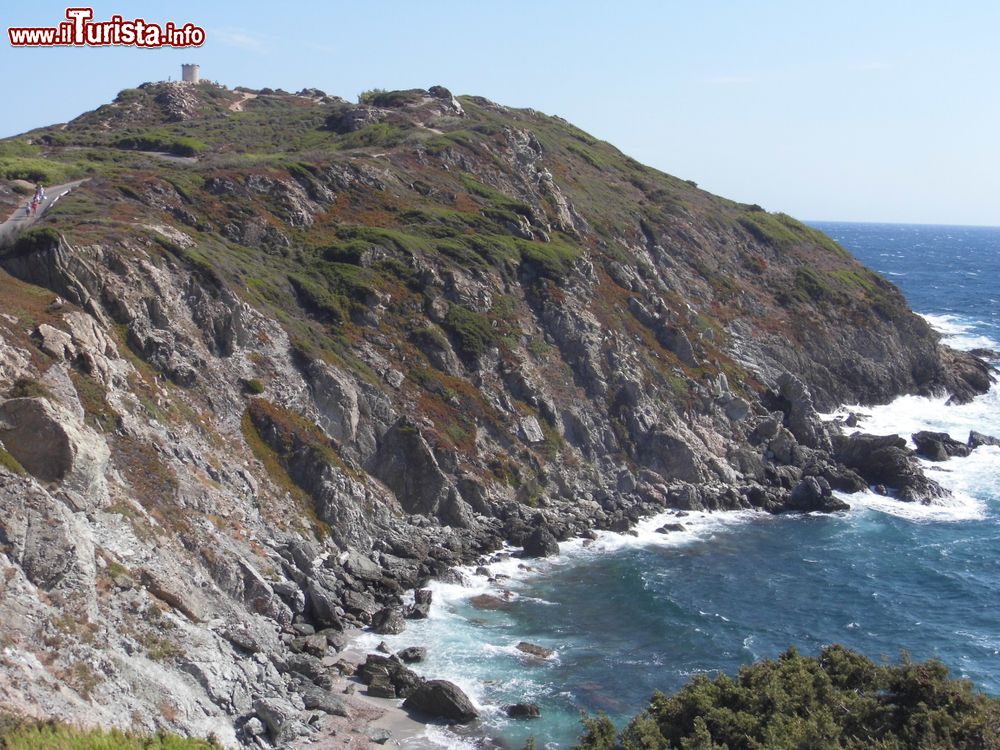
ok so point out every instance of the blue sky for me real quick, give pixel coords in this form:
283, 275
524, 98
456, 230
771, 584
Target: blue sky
862, 111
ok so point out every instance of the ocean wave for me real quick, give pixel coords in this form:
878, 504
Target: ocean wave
959, 507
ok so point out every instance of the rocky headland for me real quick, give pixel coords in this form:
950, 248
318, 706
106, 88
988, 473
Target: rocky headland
283, 358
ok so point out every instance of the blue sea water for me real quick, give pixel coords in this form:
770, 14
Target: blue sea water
628, 615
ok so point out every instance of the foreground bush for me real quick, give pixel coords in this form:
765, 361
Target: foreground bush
17, 734
840, 701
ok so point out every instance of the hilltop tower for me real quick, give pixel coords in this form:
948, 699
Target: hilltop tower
190, 73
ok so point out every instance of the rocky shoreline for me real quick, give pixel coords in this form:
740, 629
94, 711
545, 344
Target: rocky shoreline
388, 677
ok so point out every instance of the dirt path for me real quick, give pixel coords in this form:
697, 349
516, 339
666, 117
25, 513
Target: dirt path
18, 221
238, 106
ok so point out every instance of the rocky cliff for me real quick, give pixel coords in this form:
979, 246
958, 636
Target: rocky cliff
282, 358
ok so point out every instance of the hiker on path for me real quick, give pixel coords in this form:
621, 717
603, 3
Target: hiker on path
34, 206
39, 192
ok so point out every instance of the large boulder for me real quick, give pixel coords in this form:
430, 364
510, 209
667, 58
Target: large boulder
412, 654
53, 446
814, 494
442, 700
281, 719
421, 607
388, 621
382, 670
533, 649
938, 446
541, 543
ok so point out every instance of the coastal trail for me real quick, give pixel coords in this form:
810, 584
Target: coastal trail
18, 221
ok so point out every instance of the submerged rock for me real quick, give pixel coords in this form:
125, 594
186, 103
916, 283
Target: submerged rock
412, 654
533, 649
523, 711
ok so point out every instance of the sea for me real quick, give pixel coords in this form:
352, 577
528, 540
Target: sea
628, 615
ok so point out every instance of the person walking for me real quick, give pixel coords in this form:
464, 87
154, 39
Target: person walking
34, 206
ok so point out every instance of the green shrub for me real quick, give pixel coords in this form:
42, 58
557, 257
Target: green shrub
10, 463
254, 386
32, 241
318, 300
383, 98
384, 134
36, 170
473, 331
178, 145
368, 96
28, 388
840, 701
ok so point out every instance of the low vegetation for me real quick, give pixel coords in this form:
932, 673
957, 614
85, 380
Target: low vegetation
838, 701
20, 734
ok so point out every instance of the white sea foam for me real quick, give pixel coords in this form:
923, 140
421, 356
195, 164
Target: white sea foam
958, 332
972, 479
959, 507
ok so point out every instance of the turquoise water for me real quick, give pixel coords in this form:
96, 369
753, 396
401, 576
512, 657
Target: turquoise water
629, 615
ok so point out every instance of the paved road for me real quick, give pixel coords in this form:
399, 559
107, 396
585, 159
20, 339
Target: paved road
18, 221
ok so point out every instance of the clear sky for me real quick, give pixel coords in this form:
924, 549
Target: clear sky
862, 111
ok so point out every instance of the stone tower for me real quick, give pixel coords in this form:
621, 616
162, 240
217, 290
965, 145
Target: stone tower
190, 73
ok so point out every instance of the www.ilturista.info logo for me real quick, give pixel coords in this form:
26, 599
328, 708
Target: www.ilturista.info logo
80, 31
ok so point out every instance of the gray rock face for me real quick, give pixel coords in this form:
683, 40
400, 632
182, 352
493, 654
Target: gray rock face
407, 465
531, 430
444, 700
801, 418
671, 457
